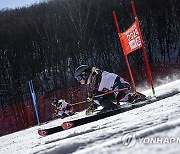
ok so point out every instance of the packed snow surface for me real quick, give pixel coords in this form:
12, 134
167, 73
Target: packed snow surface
153, 128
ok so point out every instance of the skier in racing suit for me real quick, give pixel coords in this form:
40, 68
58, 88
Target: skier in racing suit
62, 108
99, 82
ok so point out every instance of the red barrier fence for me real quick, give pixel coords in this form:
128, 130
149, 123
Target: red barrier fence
22, 115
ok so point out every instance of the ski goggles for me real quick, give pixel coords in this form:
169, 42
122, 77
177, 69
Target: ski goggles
79, 78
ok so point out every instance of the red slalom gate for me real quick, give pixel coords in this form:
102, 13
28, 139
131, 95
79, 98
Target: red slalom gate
131, 40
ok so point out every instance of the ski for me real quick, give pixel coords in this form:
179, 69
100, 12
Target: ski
49, 131
98, 116
142, 101
67, 125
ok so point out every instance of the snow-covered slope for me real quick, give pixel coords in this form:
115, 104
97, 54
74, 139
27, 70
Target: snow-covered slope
155, 128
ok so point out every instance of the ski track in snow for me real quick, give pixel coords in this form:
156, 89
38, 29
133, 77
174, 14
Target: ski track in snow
160, 118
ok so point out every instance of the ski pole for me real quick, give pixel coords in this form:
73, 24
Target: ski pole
78, 103
109, 92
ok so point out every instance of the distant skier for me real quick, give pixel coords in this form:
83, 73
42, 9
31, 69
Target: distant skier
99, 82
62, 108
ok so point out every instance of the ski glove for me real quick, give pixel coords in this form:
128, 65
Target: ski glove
90, 97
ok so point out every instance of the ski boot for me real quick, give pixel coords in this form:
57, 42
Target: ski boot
136, 97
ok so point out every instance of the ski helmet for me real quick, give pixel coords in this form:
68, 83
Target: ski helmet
54, 102
83, 72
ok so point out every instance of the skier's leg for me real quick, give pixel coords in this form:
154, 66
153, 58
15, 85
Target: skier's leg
60, 113
120, 83
107, 105
67, 112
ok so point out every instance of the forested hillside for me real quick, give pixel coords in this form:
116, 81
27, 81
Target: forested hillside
47, 41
